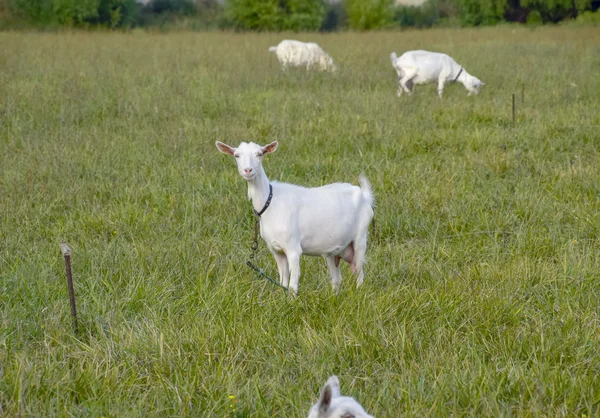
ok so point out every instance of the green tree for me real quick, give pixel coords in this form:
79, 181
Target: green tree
369, 14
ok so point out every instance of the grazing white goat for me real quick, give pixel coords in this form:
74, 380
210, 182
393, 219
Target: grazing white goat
423, 67
302, 54
332, 404
331, 221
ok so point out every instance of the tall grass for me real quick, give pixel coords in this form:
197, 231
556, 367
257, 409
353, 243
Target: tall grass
482, 286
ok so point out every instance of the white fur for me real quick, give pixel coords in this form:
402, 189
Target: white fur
331, 221
332, 404
302, 54
423, 67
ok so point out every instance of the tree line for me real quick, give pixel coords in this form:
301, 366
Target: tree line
292, 15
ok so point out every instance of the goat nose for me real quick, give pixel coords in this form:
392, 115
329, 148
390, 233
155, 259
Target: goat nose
247, 170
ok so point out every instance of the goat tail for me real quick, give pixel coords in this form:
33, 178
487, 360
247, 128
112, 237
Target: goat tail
273, 49
393, 57
367, 192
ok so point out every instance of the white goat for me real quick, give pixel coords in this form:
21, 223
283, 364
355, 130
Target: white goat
331, 221
302, 54
332, 404
423, 67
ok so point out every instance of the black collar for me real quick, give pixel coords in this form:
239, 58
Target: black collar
266, 204
458, 75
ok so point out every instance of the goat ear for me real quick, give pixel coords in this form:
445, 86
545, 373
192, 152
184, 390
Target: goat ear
224, 148
325, 399
267, 149
334, 383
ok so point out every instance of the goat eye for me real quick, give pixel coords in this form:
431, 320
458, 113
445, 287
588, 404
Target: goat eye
236, 156
258, 154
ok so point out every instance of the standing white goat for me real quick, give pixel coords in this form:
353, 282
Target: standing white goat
331, 221
332, 404
302, 54
423, 67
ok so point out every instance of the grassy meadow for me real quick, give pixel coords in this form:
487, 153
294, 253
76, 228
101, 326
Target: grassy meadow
482, 288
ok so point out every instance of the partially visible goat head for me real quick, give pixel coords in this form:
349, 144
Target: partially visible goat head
332, 404
325, 63
473, 84
331, 65
248, 157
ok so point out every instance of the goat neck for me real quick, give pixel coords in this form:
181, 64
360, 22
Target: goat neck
258, 189
463, 77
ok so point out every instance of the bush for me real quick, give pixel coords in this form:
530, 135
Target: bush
112, 13
481, 12
116, 13
254, 15
534, 18
63, 12
276, 14
369, 14
303, 14
556, 10
589, 17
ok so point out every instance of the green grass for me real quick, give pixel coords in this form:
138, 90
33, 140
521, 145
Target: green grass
482, 287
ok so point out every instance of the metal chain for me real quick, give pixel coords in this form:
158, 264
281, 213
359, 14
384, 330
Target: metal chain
254, 248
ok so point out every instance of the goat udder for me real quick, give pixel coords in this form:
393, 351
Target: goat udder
348, 256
